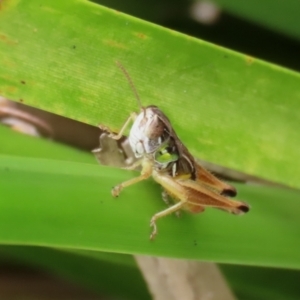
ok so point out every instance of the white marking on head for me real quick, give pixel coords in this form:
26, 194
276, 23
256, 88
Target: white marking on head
139, 149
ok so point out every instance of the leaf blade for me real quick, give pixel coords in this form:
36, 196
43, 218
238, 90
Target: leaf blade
67, 204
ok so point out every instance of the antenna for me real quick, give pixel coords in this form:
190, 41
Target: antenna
131, 84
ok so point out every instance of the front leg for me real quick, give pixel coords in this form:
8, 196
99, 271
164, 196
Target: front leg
117, 136
145, 173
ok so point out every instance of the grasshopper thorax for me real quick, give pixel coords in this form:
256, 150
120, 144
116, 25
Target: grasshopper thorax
148, 132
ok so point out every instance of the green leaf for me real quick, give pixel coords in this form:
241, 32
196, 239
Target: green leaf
68, 204
227, 108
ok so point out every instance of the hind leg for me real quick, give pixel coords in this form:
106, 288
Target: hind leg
176, 207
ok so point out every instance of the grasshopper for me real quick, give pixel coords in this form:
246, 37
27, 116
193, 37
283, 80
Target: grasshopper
163, 156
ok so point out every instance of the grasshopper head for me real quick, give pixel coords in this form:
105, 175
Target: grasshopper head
148, 132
